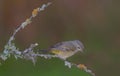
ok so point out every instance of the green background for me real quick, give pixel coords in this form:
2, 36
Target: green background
50, 67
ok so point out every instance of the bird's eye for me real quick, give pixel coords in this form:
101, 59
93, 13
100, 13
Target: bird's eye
78, 47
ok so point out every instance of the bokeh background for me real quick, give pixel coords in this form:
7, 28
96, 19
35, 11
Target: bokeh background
95, 22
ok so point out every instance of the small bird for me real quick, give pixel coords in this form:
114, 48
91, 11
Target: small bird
66, 49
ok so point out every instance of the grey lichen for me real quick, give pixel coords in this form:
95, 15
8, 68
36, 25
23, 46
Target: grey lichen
29, 53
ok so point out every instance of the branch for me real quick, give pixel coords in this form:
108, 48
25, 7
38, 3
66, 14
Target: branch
10, 48
29, 53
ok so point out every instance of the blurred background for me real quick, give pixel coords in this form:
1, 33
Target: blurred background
95, 22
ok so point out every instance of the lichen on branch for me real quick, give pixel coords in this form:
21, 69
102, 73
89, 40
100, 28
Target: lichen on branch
29, 53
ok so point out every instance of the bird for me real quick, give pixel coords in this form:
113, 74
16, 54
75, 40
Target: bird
66, 49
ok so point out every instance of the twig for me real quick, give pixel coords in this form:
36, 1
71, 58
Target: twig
10, 47
28, 53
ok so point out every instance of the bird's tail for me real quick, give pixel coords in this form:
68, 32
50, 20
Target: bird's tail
44, 51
